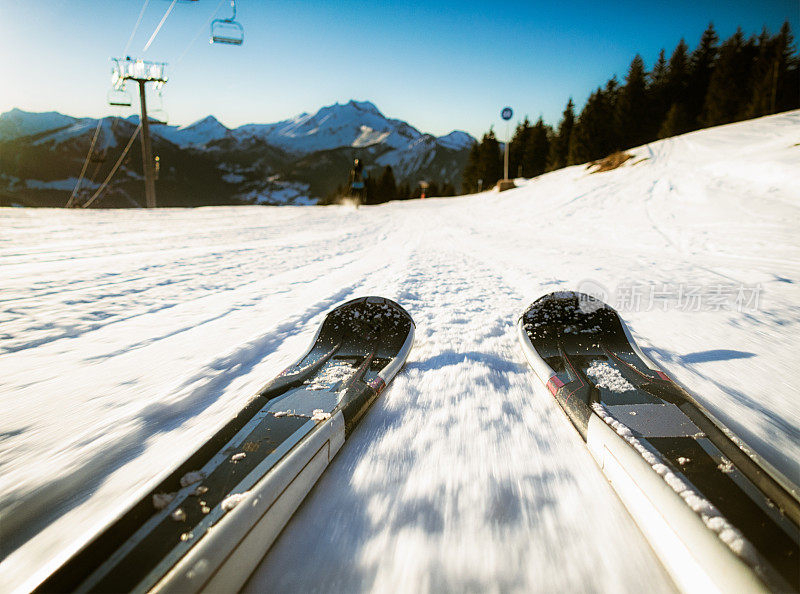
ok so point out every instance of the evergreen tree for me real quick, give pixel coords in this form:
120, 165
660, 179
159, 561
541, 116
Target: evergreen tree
517, 146
749, 64
484, 164
701, 65
559, 147
677, 121
658, 75
787, 88
581, 145
657, 91
386, 187
403, 192
491, 160
471, 175
726, 96
773, 87
677, 76
632, 110
534, 158
765, 74
610, 98
370, 193
594, 135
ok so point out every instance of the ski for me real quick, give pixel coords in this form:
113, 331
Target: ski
209, 523
718, 517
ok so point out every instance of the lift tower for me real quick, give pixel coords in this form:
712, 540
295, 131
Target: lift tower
142, 72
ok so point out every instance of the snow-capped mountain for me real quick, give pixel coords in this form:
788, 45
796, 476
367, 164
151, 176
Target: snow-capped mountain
456, 140
197, 134
357, 124
77, 129
312, 152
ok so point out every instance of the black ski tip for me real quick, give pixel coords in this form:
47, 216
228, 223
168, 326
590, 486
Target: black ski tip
570, 312
375, 305
371, 312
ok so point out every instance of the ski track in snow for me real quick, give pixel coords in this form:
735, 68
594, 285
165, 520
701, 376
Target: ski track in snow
127, 337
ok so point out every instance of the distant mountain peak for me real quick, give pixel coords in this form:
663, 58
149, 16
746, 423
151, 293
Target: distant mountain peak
355, 124
17, 122
209, 120
17, 112
199, 133
456, 140
367, 106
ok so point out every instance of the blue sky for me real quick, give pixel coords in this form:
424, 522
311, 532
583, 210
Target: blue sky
438, 65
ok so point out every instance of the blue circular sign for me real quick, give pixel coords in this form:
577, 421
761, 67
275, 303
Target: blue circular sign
506, 113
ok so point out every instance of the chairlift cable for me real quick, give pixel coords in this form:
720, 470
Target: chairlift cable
114, 169
85, 164
135, 27
161, 24
201, 30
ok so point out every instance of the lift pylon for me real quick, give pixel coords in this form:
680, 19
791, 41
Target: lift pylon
141, 72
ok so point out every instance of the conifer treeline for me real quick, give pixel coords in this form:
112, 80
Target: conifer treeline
715, 84
381, 186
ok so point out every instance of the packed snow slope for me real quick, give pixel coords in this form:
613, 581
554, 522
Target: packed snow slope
127, 337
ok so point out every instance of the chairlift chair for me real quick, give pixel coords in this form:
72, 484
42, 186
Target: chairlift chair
227, 31
157, 117
119, 97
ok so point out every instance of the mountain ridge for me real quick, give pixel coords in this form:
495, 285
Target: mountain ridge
309, 154
17, 123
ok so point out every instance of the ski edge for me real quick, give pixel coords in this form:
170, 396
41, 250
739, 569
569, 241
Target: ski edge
788, 501
694, 556
225, 557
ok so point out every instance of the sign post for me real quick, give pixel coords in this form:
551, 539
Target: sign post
506, 114
505, 183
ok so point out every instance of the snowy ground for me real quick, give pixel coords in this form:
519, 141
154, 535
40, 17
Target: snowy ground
126, 337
